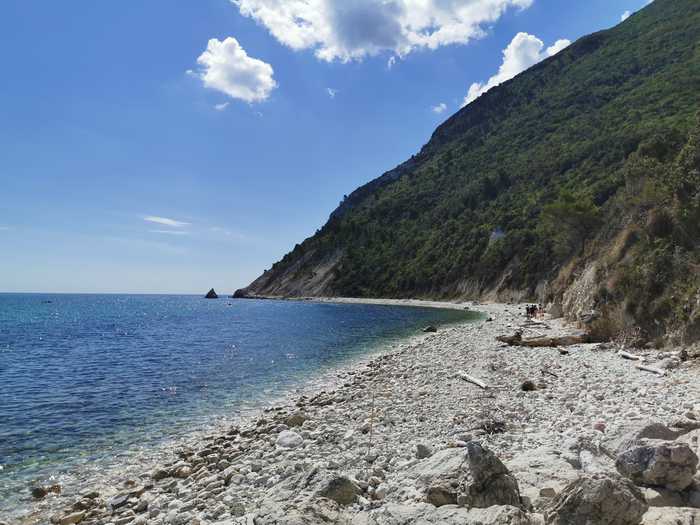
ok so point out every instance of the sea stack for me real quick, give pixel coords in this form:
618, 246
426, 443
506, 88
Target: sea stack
211, 294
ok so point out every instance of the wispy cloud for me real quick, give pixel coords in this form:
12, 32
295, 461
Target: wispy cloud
165, 221
331, 92
391, 62
5, 228
227, 233
221, 107
625, 16
170, 232
440, 108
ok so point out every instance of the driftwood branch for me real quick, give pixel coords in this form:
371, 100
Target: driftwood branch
631, 357
652, 370
537, 342
471, 379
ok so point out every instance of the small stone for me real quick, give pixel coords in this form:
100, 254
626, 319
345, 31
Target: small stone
296, 419
289, 439
548, 492
423, 451
429, 329
528, 386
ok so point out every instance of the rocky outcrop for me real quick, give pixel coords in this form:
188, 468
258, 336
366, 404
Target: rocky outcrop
469, 477
599, 500
665, 464
211, 294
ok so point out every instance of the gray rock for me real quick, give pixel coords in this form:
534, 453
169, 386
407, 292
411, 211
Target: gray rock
633, 436
470, 477
597, 500
423, 451
340, 489
289, 439
296, 419
659, 463
671, 516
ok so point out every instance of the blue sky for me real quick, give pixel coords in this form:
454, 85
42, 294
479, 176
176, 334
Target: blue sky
133, 161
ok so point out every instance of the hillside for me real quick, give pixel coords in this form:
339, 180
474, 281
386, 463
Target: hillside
575, 183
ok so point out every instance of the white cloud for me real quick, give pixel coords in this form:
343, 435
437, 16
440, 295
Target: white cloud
353, 29
5, 228
227, 67
228, 234
391, 62
166, 222
440, 108
221, 107
625, 16
524, 51
170, 232
331, 92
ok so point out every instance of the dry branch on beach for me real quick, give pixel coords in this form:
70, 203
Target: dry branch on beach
471, 379
536, 342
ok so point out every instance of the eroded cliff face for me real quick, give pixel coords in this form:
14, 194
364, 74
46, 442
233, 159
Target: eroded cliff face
566, 186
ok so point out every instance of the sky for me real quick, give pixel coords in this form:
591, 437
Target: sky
175, 146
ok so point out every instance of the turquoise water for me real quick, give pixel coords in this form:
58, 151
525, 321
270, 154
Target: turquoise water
84, 378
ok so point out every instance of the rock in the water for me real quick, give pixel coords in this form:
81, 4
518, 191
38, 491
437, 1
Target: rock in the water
40, 492
211, 294
340, 489
423, 451
599, 500
659, 463
289, 439
430, 329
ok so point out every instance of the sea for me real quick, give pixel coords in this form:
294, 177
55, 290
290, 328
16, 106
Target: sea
90, 383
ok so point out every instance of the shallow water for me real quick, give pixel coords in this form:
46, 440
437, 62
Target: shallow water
86, 378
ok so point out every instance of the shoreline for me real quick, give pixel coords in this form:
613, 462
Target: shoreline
363, 421
320, 379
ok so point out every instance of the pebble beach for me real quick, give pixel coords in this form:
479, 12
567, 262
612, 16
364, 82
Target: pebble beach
408, 436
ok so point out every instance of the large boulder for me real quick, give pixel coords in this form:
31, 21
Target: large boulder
631, 436
659, 463
597, 500
469, 477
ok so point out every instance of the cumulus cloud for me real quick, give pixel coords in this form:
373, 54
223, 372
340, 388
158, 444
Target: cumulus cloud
226, 67
625, 16
440, 108
353, 29
524, 51
166, 222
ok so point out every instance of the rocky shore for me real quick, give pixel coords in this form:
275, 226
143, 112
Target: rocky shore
449, 427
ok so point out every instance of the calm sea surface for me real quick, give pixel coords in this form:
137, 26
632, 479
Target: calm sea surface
86, 378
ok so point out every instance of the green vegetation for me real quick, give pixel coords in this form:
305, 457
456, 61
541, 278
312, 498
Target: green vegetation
542, 172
